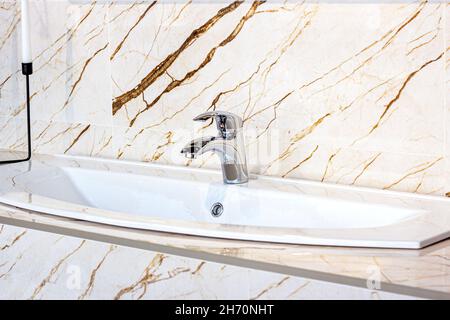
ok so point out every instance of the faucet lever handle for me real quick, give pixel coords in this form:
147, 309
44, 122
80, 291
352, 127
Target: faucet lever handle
227, 123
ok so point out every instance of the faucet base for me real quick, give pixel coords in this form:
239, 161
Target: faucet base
234, 173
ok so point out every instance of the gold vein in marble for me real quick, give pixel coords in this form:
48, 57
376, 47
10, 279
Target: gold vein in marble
399, 92
301, 162
11, 28
423, 44
418, 169
291, 39
55, 269
221, 94
5, 80
67, 36
209, 57
159, 152
11, 267
162, 67
22, 106
368, 162
103, 147
47, 86
392, 32
59, 134
329, 163
199, 267
95, 35
141, 17
366, 166
80, 76
271, 287
90, 285
304, 22
298, 137
126, 10
408, 21
302, 286
147, 277
186, 5
77, 138
189, 103
14, 241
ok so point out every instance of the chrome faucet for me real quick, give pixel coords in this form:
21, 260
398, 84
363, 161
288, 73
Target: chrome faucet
229, 145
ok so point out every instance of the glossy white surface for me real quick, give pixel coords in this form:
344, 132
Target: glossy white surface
178, 200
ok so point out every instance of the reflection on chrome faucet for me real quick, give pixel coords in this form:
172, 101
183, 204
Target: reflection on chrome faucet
229, 146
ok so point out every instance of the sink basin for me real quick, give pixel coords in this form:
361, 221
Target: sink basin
180, 200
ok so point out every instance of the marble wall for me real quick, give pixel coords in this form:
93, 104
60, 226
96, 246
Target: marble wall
72, 268
344, 93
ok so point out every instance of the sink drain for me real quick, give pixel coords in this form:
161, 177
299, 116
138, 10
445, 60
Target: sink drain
217, 209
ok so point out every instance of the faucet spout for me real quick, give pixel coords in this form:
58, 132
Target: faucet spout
228, 146
195, 147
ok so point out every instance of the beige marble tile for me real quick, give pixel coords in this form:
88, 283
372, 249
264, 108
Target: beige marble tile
310, 80
387, 171
70, 87
131, 144
72, 268
298, 94
9, 132
68, 138
447, 97
9, 83
71, 82
268, 286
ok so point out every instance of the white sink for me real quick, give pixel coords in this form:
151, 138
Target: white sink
179, 200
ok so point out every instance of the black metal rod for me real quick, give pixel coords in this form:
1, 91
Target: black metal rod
27, 70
